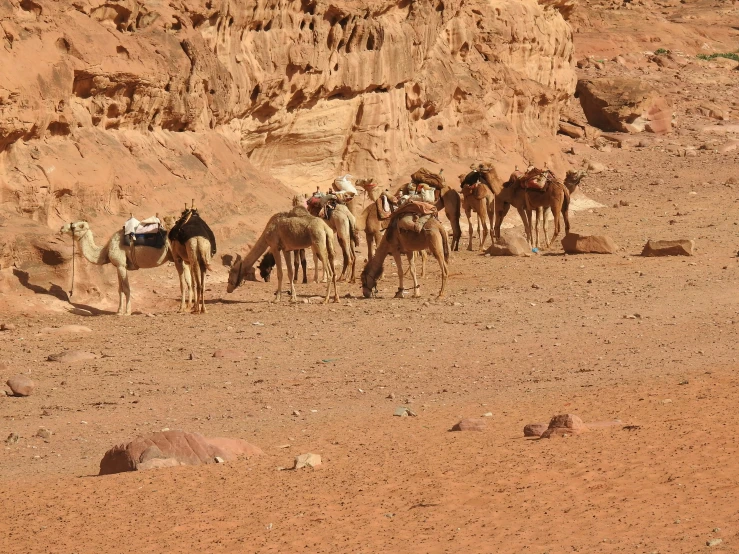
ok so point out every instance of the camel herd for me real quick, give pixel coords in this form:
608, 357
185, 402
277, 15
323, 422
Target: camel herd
292, 232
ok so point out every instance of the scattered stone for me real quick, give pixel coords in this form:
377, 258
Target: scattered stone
534, 429
72, 356
487, 414
21, 385
307, 460
172, 448
44, 433
13, 438
7, 327
230, 354
470, 424
219, 460
681, 247
571, 130
66, 329
714, 542
509, 245
403, 411
563, 425
574, 243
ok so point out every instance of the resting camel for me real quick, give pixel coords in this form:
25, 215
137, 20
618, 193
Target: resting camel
124, 258
196, 255
396, 242
478, 196
343, 224
286, 232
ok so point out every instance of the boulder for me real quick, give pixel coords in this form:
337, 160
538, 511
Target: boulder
172, 448
21, 385
534, 429
509, 245
624, 104
681, 247
7, 327
564, 424
470, 424
588, 244
571, 130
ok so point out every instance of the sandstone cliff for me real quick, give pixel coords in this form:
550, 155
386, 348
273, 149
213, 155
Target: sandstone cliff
110, 107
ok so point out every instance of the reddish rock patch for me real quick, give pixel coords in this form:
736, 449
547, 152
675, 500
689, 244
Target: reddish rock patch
534, 429
470, 424
564, 424
21, 385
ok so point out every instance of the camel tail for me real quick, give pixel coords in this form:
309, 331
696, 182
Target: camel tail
353, 232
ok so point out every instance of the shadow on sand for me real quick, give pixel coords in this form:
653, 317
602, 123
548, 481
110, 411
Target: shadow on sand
57, 292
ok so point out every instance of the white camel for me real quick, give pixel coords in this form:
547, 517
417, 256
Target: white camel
124, 258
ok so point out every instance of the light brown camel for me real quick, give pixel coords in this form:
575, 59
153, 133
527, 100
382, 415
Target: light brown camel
195, 255
451, 202
343, 223
286, 232
124, 258
514, 195
397, 242
477, 196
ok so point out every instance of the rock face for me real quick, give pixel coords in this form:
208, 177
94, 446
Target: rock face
588, 244
624, 104
172, 448
680, 247
565, 424
21, 385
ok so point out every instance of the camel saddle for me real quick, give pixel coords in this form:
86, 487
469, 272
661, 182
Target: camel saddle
386, 206
191, 225
145, 233
413, 215
536, 180
322, 206
423, 175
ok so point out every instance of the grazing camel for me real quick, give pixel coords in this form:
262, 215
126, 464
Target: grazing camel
124, 258
396, 242
286, 232
196, 252
343, 223
477, 196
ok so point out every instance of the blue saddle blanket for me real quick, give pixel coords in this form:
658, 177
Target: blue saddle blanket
153, 240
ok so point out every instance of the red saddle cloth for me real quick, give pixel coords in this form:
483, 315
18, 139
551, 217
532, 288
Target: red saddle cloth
535, 179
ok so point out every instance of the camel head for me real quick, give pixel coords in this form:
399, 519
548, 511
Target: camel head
300, 200
266, 266
575, 176
369, 283
238, 273
168, 221
78, 229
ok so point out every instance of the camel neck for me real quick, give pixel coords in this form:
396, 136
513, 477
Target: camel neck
374, 266
492, 181
92, 252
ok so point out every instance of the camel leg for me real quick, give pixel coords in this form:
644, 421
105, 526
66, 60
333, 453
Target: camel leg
203, 272
523, 214
346, 258
124, 292
304, 265
467, 212
198, 277
289, 264
412, 265
544, 223
278, 263
482, 216
555, 213
438, 253
184, 287
399, 263
369, 237
423, 264
566, 217
499, 215
536, 227
296, 266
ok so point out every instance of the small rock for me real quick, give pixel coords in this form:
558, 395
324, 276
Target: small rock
391, 396
487, 414
229, 354
470, 424
296, 413
72, 356
7, 327
219, 460
564, 424
681, 247
21, 385
307, 460
595, 167
509, 245
12, 438
534, 429
44, 433
403, 411
713, 542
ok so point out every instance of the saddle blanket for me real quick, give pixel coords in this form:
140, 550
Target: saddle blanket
153, 240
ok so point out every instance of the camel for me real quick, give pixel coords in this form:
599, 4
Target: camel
196, 254
124, 258
451, 202
286, 232
396, 242
477, 195
268, 263
526, 202
343, 223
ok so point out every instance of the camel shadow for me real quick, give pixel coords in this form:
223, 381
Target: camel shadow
57, 292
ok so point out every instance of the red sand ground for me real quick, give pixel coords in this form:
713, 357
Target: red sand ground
495, 344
